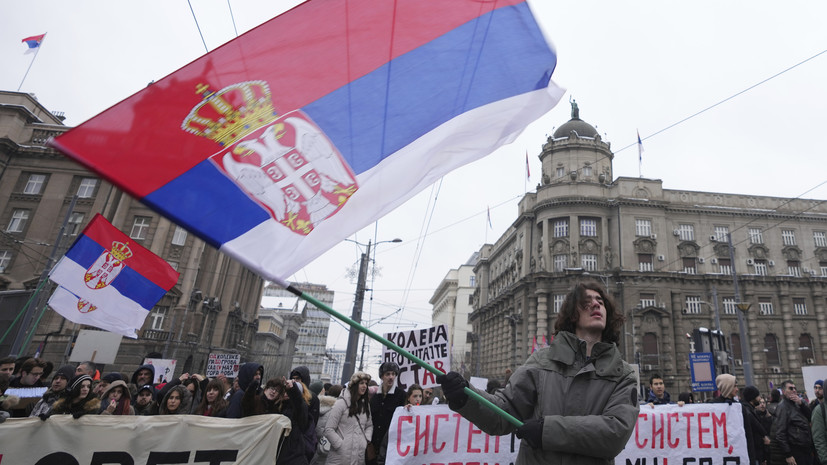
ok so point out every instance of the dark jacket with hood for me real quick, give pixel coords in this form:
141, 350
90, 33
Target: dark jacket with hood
294, 408
310, 437
245, 377
186, 402
134, 379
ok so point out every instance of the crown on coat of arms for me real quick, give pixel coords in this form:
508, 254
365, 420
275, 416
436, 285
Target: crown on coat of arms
120, 251
231, 113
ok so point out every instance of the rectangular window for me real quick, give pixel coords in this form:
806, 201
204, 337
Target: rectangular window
588, 261
689, 265
19, 218
558, 302
823, 267
729, 305
788, 236
760, 267
647, 300
588, 227
724, 266
644, 261
820, 238
643, 227
799, 306
180, 236
561, 172
561, 262
765, 306
472, 281
5, 260
75, 221
693, 304
686, 232
140, 227
87, 187
561, 228
755, 236
721, 233
35, 184
157, 317
587, 171
794, 268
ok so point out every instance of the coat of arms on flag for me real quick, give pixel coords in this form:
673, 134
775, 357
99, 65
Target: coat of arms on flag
285, 163
107, 267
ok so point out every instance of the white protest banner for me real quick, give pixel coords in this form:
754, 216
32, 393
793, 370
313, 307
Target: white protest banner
435, 434
223, 364
167, 439
429, 344
164, 369
695, 434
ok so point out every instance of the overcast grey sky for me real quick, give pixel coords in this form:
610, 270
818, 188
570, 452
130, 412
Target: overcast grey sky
631, 66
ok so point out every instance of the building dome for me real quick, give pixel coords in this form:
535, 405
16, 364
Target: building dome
582, 128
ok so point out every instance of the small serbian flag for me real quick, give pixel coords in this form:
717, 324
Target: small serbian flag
108, 281
527, 167
34, 42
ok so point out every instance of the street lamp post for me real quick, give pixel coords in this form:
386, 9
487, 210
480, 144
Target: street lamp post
356, 314
746, 351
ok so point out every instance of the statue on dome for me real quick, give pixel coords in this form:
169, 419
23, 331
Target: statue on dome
575, 110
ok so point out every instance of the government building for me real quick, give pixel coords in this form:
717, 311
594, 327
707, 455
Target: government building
665, 257
214, 307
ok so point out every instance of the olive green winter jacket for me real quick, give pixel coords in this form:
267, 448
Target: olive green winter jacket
589, 405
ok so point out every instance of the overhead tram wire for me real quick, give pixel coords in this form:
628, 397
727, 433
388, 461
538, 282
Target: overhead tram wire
420, 246
198, 27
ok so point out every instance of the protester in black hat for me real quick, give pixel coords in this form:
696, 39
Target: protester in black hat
384, 402
60, 382
145, 401
78, 399
751, 398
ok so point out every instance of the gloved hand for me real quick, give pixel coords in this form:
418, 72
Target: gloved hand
532, 432
43, 416
453, 385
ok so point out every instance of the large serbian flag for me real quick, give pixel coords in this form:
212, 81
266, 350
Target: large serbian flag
107, 281
279, 144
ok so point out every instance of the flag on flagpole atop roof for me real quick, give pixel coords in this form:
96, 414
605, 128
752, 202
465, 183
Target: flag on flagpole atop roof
33, 42
320, 121
639, 147
527, 167
108, 281
490, 225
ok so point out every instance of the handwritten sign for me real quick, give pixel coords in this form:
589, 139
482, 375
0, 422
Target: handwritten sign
429, 344
223, 364
711, 434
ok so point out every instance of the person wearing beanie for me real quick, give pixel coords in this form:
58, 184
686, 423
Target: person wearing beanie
316, 387
818, 392
384, 403
750, 399
78, 399
727, 390
60, 382
791, 437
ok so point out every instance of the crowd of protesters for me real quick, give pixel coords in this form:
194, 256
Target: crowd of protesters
335, 423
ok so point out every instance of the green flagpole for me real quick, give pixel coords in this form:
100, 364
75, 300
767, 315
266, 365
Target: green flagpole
354, 325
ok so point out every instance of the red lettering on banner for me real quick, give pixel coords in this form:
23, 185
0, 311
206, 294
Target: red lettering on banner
640, 416
430, 378
702, 430
669, 429
472, 430
456, 433
716, 421
657, 432
421, 434
441, 416
688, 417
407, 419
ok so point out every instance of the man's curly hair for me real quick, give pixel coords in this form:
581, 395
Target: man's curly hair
570, 311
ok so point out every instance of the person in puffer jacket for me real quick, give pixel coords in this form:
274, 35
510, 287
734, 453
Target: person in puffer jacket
325, 406
349, 427
577, 398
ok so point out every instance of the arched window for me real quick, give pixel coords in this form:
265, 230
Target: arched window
651, 354
771, 349
805, 348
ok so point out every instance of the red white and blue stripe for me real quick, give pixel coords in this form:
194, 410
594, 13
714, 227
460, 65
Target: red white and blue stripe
406, 90
34, 41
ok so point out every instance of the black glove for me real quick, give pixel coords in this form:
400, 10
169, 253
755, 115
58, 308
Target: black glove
453, 385
43, 416
532, 432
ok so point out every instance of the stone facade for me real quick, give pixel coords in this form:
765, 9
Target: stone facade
664, 256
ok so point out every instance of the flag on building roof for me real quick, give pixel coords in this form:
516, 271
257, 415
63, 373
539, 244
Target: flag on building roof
108, 281
33, 42
281, 143
527, 167
639, 148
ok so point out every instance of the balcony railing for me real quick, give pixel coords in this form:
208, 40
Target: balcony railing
156, 334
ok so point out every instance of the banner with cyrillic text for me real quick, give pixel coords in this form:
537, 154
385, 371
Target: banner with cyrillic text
435, 434
695, 434
167, 439
223, 364
429, 344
